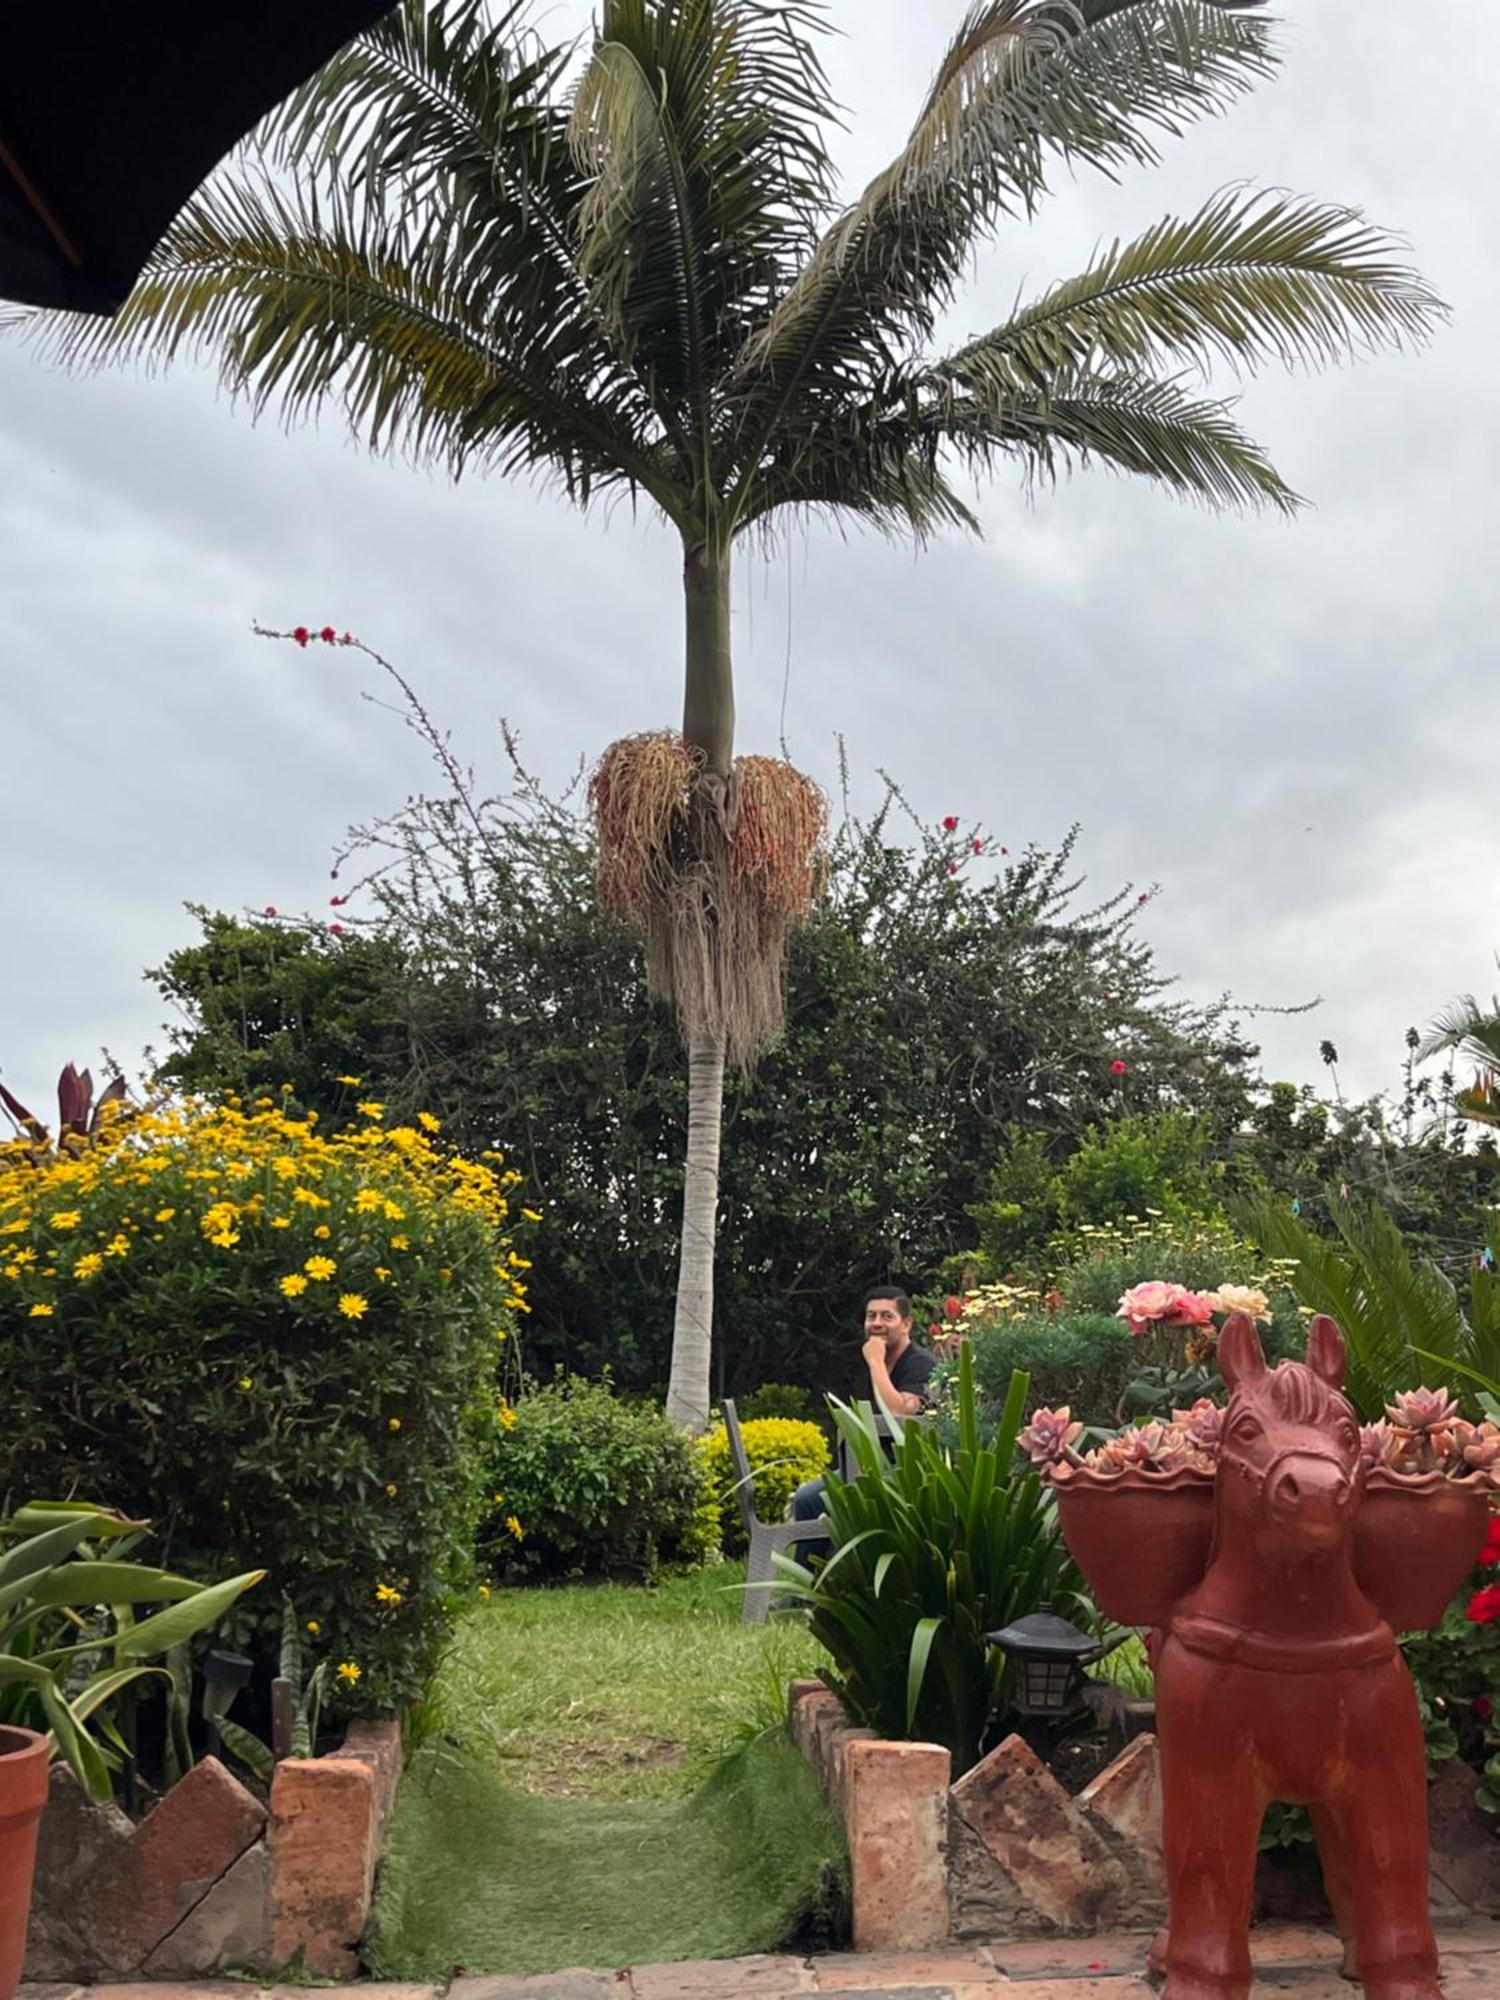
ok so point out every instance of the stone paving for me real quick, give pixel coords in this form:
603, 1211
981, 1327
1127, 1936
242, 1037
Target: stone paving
1294, 1962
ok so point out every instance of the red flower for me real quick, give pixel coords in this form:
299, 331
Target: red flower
301, 635
1117, 1068
335, 930
1143, 897
979, 847
1005, 850
328, 635
335, 902
952, 867
270, 910
1489, 1553
1484, 1708
952, 1307
348, 639
1484, 1605
950, 824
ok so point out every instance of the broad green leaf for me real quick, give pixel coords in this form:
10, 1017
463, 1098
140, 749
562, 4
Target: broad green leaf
105, 1522
29, 1558
112, 1583
180, 1621
77, 1748
916, 1671
105, 1686
14, 1668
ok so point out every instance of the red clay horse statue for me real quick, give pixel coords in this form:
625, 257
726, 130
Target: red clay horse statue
1280, 1680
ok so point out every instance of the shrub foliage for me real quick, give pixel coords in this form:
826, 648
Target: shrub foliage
279, 1346
588, 1484
782, 1452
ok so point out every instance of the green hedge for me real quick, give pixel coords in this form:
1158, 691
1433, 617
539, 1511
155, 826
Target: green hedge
783, 1452
281, 1348
587, 1484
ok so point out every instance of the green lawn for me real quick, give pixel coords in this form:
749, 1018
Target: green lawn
604, 1783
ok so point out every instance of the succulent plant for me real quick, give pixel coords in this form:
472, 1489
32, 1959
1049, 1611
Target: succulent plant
1049, 1437
1422, 1410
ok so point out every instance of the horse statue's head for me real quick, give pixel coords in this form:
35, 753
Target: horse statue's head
1289, 1457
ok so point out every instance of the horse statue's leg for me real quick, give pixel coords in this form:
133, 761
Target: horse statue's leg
1379, 1825
1211, 1831
1335, 1865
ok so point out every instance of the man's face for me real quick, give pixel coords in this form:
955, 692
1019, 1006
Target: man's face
882, 1317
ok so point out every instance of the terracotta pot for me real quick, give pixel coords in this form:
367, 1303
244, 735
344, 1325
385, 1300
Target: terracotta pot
23, 1793
1140, 1538
1415, 1540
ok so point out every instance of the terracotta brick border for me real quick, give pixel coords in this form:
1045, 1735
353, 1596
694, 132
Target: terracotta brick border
1007, 1853
210, 1881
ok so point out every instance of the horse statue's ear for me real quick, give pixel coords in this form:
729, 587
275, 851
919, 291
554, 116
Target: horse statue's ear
1326, 1351
1240, 1354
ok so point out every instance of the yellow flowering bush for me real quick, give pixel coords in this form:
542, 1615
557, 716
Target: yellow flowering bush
278, 1344
783, 1451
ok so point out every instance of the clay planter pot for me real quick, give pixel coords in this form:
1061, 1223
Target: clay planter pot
23, 1793
1415, 1540
1142, 1540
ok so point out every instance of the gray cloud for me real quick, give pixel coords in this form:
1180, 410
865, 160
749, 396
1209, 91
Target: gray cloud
1197, 692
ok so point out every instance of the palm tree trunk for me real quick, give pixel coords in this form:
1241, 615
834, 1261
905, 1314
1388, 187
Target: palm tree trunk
708, 724
692, 1327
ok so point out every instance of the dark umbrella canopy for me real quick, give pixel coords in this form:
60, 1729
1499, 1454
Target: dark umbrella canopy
112, 112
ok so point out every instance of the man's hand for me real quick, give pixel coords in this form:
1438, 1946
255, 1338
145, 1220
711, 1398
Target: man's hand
874, 1352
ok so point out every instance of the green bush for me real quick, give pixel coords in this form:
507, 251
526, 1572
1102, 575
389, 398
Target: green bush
281, 1348
1151, 1162
1106, 1260
933, 1548
585, 1484
782, 1451
1083, 1360
780, 1399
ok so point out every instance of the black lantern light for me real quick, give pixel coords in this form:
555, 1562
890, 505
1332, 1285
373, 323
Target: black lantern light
1048, 1654
224, 1674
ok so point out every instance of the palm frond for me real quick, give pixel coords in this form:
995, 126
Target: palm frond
1024, 82
884, 469
1469, 1030
301, 305
698, 126
1150, 429
1250, 277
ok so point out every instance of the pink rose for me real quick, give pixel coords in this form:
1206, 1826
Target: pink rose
1146, 1303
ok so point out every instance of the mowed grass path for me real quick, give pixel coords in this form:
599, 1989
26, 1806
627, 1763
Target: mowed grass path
594, 1790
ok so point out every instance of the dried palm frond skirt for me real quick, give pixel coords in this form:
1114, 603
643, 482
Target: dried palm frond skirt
713, 873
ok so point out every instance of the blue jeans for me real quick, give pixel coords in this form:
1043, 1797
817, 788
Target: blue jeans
807, 1505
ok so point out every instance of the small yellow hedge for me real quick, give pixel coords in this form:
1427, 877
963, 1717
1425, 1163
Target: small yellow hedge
782, 1452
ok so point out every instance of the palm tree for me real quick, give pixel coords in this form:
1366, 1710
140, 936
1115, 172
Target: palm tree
1471, 1032
633, 273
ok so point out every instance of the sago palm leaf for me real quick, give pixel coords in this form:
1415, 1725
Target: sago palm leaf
1250, 277
1394, 1308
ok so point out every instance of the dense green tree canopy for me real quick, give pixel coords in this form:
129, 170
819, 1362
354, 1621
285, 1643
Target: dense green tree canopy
929, 1011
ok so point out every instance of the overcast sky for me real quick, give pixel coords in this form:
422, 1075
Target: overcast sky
1289, 727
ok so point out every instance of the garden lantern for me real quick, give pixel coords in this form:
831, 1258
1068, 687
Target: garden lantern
224, 1674
1048, 1654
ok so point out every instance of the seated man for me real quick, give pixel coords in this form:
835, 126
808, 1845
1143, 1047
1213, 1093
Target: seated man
899, 1373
